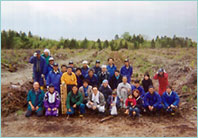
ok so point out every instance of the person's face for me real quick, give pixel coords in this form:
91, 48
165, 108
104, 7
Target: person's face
168, 90
130, 96
72, 65
95, 90
105, 84
151, 90
161, 73
63, 69
114, 95
135, 93
104, 69
46, 54
78, 72
55, 68
91, 73
38, 55
51, 89
110, 61
84, 65
85, 84
74, 89
36, 86
69, 70
146, 77
137, 85
124, 79
116, 74
126, 63
51, 62
97, 64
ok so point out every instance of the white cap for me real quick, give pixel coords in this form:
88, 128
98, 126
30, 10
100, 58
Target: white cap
47, 50
51, 58
103, 66
85, 62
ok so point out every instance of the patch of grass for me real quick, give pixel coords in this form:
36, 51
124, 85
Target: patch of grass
19, 112
184, 88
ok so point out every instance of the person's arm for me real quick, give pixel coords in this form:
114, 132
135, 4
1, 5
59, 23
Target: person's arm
63, 78
118, 91
158, 101
164, 100
46, 105
32, 59
41, 101
75, 79
146, 101
57, 100
143, 92
121, 71
156, 76
176, 102
126, 102
165, 75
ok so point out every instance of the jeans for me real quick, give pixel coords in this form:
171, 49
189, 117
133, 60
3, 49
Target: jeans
131, 110
30, 112
81, 107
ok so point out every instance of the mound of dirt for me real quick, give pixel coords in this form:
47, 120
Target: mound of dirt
15, 98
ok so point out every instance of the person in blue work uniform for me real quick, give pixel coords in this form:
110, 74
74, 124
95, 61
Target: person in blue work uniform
127, 70
97, 68
54, 77
170, 100
71, 64
85, 68
137, 86
39, 67
92, 78
49, 66
111, 67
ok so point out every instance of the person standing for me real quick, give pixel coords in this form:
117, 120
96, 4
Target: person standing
103, 75
46, 55
39, 68
162, 77
97, 68
115, 80
79, 77
127, 70
85, 68
111, 67
146, 82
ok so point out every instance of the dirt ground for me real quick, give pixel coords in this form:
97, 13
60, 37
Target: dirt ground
181, 73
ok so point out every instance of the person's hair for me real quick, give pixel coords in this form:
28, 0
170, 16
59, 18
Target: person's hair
94, 86
90, 70
130, 94
78, 69
117, 71
63, 65
147, 74
137, 81
74, 86
136, 90
85, 80
170, 87
110, 58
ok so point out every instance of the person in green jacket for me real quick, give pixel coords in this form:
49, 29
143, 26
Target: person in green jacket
35, 101
75, 102
46, 55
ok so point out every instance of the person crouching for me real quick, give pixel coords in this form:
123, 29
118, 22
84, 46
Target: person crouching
51, 101
131, 106
113, 103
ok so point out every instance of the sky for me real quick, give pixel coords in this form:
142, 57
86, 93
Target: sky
100, 19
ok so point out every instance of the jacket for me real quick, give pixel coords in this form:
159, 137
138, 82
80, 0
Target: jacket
114, 81
111, 70
102, 76
152, 99
56, 99
129, 101
84, 71
55, 79
167, 100
97, 69
69, 79
92, 80
146, 84
127, 72
74, 99
101, 99
106, 91
46, 58
80, 80
81, 89
36, 100
43, 66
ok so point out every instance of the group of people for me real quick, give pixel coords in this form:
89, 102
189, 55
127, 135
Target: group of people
102, 88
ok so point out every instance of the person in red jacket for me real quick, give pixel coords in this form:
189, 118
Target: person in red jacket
130, 104
162, 77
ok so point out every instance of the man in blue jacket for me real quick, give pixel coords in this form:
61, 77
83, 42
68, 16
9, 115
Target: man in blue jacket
49, 66
170, 100
92, 78
54, 77
85, 68
97, 67
111, 67
35, 101
39, 67
152, 101
127, 70
137, 86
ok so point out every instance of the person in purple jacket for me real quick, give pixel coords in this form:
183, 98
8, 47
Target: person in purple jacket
127, 70
170, 100
51, 102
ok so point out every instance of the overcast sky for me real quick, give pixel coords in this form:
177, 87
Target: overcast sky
100, 19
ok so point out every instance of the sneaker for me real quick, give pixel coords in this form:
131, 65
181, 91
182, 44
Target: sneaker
81, 116
172, 114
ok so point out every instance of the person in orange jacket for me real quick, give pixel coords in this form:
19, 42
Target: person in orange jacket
162, 77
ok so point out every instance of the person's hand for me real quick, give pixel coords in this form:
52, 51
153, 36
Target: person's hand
42, 75
132, 104
35, 54
54, 109
150, 108
168, 107
37, 108
126, 112
173, 106
74, 106
33, 108
69, 110
90, 103
94, 108
49, 109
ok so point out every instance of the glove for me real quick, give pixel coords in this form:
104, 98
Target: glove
35, 54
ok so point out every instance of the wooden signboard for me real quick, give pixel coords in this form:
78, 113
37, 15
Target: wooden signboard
63, 98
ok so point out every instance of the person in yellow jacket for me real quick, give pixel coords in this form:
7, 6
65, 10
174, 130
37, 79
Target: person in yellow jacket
69, 78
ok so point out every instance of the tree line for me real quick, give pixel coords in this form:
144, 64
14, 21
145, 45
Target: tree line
20, 40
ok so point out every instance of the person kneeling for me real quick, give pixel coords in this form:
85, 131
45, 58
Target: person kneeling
75, 102
170, 99
113, 103
51, 102
152, 101
96, 100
